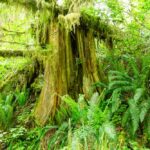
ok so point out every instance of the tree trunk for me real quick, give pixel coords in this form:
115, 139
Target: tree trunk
70, 69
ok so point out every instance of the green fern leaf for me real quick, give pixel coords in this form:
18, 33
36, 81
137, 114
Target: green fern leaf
94, 99
70, 102
115, 100
133, 65
138, 94
121, 74
147, 124
125, 117
8, 113
21, 98
74, 107
127, 88
109, 130
117, 77
2, 115
9, 99
144, 106
116, 84
134, 112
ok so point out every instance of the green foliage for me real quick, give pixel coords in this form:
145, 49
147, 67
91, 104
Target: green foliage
25, 135
22, 138
8, 104
22, 96
89, 124
9, 65
6, 111
15, 28
131, 89
115, 119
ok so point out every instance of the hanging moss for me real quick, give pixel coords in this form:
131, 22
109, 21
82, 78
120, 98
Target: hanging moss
70, 21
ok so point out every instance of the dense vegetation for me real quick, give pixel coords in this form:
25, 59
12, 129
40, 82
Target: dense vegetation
75, 75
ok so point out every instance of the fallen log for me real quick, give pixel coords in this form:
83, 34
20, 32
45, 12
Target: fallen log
11, 53
22, 76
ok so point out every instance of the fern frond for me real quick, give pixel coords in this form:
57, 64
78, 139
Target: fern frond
116, 84
138, 94
109, 130
2, 116
73, 106
121, 74
126, 117
115, 100
117, 77
60, 136
134, 112
8, 114
133, 65
147, 124
62, 114
126, 88
9, 99
94, 99
144, 108
70, 102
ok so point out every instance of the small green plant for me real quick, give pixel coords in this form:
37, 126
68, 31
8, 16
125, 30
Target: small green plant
22, 96
6, 111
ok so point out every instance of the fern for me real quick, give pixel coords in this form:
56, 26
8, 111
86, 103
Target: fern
2, 116
119, 74
8, 109
87, 121
74, 107
9, 99
138, 94
115, 100
60, 136
94, 99
109, 130
147, 125
126, 117
22, 96
115, 84
134, 112
130, 88
6, 114
144, 106
132, 63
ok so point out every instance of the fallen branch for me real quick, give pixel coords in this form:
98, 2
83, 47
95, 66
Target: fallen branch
17, 32
15, 53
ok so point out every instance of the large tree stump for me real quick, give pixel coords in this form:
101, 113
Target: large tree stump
71, 69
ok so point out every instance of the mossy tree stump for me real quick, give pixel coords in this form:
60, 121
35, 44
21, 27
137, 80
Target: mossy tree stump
70, 69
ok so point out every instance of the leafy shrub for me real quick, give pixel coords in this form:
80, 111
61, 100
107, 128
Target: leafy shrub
130, 89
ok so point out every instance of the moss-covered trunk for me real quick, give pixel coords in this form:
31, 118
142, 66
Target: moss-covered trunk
70, 69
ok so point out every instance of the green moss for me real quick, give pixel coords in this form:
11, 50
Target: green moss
38, 83
15, 72
70, 21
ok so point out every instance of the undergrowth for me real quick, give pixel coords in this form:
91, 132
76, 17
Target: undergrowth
117, 118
